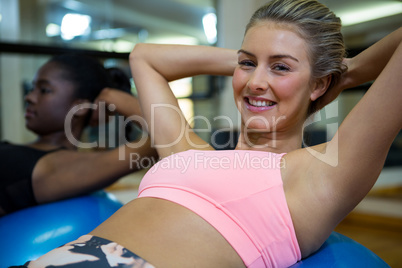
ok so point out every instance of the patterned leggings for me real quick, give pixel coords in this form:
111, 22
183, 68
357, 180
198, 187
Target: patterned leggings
90, 251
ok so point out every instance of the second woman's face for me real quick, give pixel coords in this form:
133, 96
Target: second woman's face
272, 81
49, 101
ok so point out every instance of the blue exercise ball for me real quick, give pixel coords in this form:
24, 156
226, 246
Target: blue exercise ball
340, 251
32, 232
29, 233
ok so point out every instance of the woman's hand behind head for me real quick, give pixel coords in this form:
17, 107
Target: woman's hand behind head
332, 93
111, 101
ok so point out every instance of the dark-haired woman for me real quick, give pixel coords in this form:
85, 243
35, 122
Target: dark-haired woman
64, 98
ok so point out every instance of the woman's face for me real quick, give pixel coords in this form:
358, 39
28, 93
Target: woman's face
49, 101
272, 83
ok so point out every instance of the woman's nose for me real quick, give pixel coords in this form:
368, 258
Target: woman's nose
30, 97
258, 80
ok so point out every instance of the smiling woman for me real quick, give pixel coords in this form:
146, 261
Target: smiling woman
278, 72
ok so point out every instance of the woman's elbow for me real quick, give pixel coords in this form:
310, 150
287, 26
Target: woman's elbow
137, 53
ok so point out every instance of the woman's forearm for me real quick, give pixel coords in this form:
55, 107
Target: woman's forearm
179, 61
122, 102
367, 65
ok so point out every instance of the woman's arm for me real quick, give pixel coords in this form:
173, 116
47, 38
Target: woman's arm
116, 101
364, 67
124, 103
332, 178
67, 173
365, 136
153, 66
368, 65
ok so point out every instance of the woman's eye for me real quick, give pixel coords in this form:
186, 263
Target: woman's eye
44, 90
280, 67
247, 63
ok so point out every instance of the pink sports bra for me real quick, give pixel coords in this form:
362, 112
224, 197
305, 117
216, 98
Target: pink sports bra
238, 192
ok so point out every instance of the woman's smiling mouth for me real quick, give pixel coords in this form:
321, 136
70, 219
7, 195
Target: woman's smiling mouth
258, 105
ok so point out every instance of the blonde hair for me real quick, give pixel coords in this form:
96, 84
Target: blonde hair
318, 26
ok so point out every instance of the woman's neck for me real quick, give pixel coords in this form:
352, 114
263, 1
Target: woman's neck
52, 141
276, 142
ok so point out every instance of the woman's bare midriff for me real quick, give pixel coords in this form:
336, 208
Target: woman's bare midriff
168, 235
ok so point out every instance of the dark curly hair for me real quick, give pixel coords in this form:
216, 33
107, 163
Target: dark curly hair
86, 73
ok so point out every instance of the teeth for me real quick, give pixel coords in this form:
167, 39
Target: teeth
260, 103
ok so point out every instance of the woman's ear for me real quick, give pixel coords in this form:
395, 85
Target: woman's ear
82, 107
320, 87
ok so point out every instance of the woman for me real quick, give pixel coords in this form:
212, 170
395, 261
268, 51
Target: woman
51, 168
268, 203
